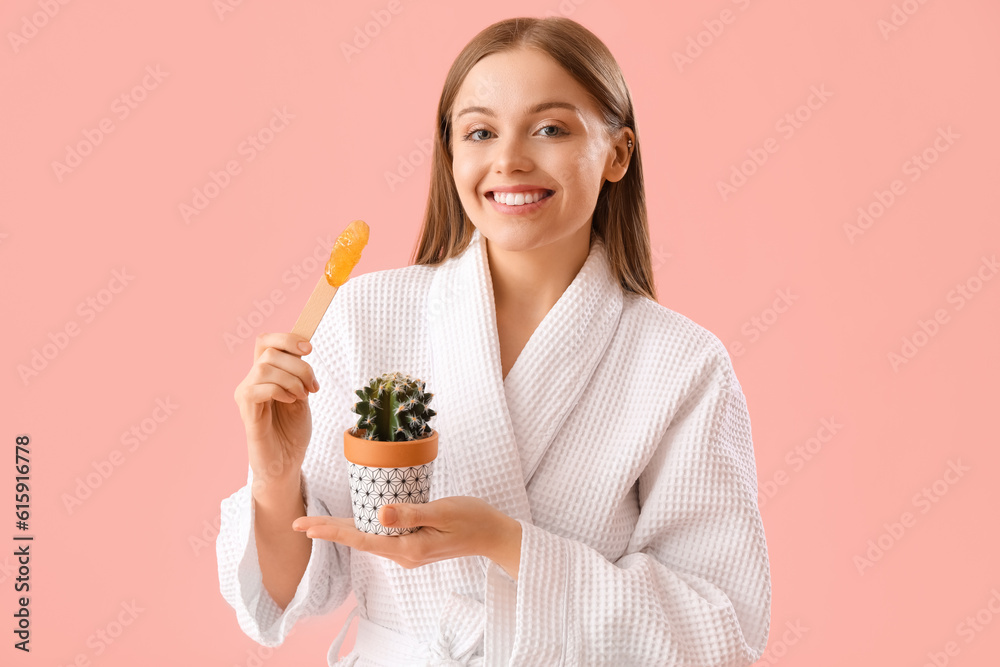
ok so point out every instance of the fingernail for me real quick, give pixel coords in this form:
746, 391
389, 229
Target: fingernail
304, 346
388, 515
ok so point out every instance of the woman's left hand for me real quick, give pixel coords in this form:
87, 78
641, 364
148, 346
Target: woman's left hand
450, 527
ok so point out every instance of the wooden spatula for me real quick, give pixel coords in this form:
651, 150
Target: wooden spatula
343, 258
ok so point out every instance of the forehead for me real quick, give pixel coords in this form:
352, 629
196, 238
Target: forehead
510, 82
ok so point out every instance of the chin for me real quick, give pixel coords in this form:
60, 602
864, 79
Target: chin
512, 236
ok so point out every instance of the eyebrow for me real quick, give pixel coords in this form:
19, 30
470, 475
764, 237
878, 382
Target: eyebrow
544, 106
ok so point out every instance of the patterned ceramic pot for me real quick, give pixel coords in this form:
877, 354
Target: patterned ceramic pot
383, 473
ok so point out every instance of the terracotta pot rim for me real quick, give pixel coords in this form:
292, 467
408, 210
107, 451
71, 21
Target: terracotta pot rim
384, 454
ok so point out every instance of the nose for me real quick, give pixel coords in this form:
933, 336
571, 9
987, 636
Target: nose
512, 154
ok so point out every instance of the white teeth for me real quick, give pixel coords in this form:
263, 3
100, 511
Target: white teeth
518, 198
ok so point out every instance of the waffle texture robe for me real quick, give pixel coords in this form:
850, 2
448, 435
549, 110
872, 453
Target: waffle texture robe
620, 440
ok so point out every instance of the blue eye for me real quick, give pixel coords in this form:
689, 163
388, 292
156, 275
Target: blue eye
559, 132
466, 137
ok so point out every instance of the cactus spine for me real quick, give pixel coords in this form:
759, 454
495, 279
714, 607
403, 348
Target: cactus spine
393, 407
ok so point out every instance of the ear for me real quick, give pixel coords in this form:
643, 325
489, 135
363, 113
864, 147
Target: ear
622, 155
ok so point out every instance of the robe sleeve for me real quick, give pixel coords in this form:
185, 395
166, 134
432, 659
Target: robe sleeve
693, 587
326, 581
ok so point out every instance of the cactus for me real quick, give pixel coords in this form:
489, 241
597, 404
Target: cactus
393, 407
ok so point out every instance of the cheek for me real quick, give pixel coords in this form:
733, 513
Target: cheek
580, 171
465, 176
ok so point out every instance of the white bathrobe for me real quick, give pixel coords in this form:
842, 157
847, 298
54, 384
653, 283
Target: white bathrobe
620, 440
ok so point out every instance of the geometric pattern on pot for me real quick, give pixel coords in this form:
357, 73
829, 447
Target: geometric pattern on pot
373, 487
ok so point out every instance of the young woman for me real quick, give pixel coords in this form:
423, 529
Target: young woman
594, 497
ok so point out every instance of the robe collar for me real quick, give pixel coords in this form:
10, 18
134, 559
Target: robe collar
494, 430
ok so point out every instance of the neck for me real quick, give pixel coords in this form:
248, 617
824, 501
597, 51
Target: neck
531, 281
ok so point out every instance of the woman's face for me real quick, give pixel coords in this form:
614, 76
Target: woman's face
500, 141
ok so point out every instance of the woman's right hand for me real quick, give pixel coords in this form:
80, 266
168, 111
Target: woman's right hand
274, 405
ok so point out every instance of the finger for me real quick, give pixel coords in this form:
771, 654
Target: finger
288, 342
266, 372
327, 528
406, 550
261, 393
290, 363
406, 515
304, 522
346, 534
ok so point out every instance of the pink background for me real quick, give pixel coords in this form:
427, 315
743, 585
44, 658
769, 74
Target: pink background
147, 532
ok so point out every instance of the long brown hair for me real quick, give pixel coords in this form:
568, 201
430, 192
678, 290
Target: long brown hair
620, 213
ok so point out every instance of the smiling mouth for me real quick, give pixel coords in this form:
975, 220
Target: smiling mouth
490, 195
